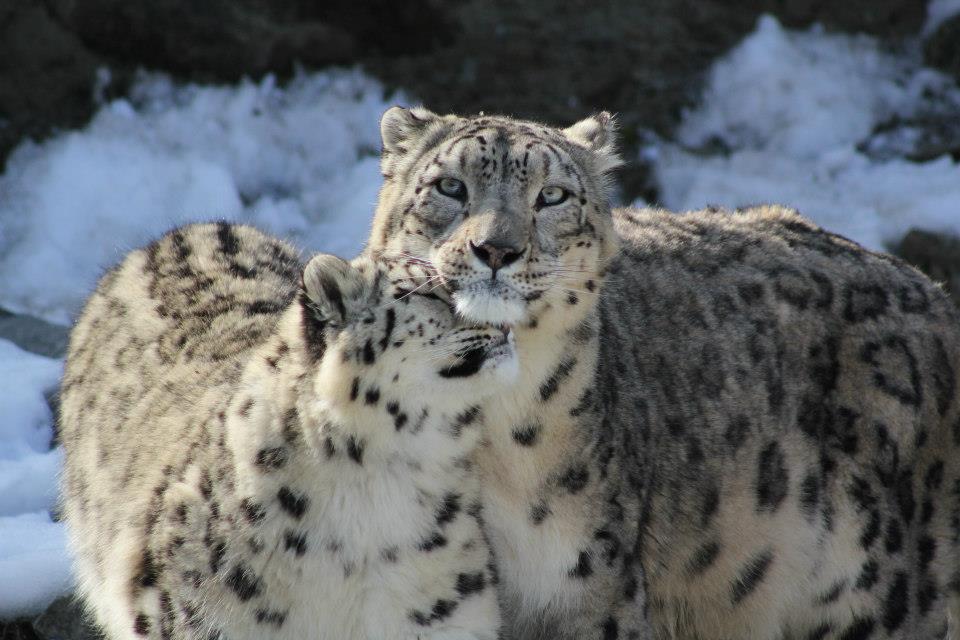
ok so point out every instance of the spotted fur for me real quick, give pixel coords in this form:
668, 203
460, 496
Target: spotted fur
250, 458
736, 425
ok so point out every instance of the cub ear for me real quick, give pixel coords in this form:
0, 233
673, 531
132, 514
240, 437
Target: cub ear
598, 133
400, 128
330, 284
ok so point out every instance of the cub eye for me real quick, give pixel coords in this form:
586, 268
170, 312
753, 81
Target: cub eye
550, 196
452, 188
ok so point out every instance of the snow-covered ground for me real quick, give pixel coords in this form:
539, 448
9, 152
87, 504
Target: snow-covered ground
790, 111
33, 566
300, 161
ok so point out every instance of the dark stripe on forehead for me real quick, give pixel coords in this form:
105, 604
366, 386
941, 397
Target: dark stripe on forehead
456, 143
552, 149
576, 175
436, 136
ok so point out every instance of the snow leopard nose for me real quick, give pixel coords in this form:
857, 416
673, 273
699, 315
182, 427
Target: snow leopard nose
496, 255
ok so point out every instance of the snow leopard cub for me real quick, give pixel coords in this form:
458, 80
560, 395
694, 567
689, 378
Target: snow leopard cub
250, 458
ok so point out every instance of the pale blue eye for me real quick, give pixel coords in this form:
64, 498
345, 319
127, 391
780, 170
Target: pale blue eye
550, 196
452, 188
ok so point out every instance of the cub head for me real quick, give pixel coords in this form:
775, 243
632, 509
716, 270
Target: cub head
513, 216
379, 327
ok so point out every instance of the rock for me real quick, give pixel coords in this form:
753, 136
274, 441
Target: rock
65, 619
34, 335
227, 39
210, 40
937, 255
942, 47
46, 74
18, 630
885, 18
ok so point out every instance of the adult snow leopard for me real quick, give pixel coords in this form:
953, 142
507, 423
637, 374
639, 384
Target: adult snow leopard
246, 458
727, 424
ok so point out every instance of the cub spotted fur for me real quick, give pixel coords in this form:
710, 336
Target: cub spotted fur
738, 425
246, 458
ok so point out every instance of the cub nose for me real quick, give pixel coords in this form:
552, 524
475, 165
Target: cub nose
496, 256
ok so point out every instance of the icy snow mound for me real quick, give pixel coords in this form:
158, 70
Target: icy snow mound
938, 12
34, 568
789, 111
298, 161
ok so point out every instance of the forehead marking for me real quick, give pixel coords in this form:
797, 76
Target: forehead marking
546, 162
554, 151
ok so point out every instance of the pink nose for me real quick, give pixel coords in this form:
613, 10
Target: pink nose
496, 256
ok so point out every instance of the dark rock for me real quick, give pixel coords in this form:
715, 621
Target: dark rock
34, 335
942, 48
46, 74
885, 18
18, 630
224, 40
65, 619
210, 40
936, 254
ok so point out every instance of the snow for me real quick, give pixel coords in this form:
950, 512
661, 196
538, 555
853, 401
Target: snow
299, 161
33, 561
938, 12
790, 113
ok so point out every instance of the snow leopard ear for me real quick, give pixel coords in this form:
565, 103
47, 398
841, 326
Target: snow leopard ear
598, 133
400, 128
330, 288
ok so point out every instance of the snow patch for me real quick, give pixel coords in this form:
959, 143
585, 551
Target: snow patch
34, 567
938, 12
299, 161
782, 119
33, 563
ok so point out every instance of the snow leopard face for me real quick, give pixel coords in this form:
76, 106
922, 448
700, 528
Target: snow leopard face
512, 215
372, 326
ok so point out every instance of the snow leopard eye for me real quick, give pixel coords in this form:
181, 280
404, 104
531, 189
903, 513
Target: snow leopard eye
452, 188
550, 196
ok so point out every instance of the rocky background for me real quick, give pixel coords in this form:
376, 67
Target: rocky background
555, 61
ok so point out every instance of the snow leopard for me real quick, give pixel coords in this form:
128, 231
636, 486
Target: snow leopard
728, 424
257, 449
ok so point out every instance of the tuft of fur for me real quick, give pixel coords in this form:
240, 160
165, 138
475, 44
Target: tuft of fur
726, 425
250, 458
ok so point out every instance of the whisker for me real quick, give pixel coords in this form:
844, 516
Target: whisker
408, 293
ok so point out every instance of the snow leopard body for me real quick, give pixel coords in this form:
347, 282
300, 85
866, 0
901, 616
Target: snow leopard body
258, 449
728, 424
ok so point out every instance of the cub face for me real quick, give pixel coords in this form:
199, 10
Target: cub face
513, 216
376, 326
